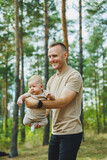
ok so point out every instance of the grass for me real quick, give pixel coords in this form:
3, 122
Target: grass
93, 148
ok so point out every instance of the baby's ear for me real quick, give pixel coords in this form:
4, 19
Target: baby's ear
41, 85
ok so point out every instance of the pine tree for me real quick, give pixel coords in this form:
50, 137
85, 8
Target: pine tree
13, 150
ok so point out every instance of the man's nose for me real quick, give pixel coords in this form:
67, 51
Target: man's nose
51, 59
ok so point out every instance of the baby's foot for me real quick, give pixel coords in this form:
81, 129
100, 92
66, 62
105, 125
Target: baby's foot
33, 127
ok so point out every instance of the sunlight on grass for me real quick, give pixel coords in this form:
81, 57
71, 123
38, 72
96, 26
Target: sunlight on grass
94, 147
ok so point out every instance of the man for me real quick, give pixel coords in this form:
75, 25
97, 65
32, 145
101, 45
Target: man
66, 86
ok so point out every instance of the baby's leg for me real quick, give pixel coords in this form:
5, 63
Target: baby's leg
43, 122
27, 120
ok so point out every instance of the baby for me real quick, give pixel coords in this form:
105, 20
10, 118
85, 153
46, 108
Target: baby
36, 91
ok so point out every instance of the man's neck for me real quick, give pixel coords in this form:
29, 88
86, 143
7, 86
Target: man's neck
63, 69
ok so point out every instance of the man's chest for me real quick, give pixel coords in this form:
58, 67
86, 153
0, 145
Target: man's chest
57, 85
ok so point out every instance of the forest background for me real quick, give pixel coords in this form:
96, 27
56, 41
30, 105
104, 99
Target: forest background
27, 27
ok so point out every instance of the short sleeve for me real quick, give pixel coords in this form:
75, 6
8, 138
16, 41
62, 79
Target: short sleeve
74, 82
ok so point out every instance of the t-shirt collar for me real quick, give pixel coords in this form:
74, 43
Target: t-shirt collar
59, 74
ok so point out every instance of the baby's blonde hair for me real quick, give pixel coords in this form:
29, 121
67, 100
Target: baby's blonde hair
36, 78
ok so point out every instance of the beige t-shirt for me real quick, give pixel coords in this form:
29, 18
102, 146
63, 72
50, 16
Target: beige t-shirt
66, 120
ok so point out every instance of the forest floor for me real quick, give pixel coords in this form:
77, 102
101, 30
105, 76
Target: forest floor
94, 147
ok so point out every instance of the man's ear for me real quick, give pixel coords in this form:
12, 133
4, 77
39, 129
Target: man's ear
65, 55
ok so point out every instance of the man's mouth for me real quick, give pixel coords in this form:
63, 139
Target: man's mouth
54, 64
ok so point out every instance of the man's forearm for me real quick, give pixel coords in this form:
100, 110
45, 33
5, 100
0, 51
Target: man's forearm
48, 104
61, 102
53, 104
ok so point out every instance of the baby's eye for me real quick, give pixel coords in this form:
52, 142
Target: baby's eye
55, 55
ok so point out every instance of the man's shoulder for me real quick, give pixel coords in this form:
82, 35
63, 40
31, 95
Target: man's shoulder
74, 72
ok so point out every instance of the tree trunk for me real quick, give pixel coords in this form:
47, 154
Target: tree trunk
47, 127
64, 25
3, 104
104, 120
96, 104
22, 73
6, 99
46, 43
99, 105
80, 56
13, 149
80, 39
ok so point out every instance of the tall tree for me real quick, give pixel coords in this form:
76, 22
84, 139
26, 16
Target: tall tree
80, 38
6, 97
64, 25
95, 14
46, 129
13, 149
3, 104
5, 71
95, 72
22, 71
104, 90
80, 53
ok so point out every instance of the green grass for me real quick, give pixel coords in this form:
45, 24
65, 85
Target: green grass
93, 148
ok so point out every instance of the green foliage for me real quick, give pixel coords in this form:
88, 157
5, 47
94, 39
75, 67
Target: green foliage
97, 7
96, 12
28, 49
94, 63
94, 58
89, 117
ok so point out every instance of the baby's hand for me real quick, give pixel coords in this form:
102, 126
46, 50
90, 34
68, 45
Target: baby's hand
48, 95
19, 101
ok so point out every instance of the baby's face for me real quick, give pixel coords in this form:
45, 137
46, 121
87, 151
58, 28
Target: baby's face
35, 88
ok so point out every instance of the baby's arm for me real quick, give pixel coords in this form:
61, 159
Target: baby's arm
22, 98
47, 112
50, 97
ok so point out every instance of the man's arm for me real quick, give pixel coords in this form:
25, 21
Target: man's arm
66, 97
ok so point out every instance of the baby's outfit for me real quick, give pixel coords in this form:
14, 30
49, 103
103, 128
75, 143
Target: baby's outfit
36, 115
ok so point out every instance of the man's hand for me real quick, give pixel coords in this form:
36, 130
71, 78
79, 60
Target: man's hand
31, 102
36, 125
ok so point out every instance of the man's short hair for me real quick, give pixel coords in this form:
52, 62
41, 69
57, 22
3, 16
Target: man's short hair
63, 47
